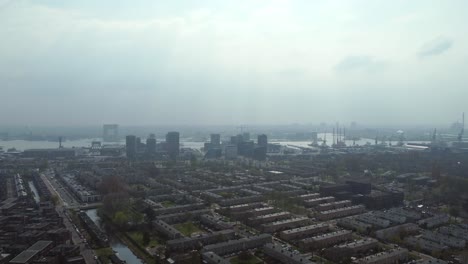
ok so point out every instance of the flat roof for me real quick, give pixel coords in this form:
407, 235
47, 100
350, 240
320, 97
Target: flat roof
32, 251
50, 149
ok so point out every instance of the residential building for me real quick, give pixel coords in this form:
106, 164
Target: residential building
447, 240
340, 212
389, 233
302, 232
284, 224
238, 245
166, 229
277, 252
195, 243
396, 255
434, 221
325, 240
213, 258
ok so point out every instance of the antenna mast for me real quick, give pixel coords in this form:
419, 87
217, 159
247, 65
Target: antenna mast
460, 136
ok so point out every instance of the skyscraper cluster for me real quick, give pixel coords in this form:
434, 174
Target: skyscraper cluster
135, 148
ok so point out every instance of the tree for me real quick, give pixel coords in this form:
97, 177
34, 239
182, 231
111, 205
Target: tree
114, 202
150, 215
146, 238
464, 257
195, 257
153, 171
435, 171
193, 161
44, 165
112, 184
454, 211
244, 256
54, 199
120, 218
136, 217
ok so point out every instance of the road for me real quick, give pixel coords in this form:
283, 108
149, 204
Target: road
66, 199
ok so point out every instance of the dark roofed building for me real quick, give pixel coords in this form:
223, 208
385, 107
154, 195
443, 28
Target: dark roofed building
34, 251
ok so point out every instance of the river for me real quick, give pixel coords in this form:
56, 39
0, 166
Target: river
122, 250
21, 145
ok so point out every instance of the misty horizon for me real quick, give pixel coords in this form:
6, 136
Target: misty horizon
381, 63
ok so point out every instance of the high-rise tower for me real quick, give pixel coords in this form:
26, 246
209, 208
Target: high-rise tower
172, 144
131, 146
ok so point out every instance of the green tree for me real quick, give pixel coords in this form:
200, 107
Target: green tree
150, 215
137, 217
44, 165
54, 199
146, 238
244, 256
120, 218
193, 161
454, 211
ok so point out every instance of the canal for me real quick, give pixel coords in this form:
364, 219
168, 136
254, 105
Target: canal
33, 189
123, 252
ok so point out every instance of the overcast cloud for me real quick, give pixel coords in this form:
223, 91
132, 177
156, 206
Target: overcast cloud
436, 47
232, 62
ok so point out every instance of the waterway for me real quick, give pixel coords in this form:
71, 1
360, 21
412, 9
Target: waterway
35, 192
21, 145
122, 250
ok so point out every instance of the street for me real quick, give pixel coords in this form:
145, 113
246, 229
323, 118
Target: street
64, 199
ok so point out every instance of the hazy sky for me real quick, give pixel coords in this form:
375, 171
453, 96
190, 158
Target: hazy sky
72, 62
